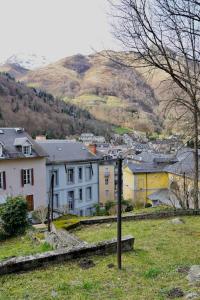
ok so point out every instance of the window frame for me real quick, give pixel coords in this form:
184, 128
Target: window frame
67, 174
86, 191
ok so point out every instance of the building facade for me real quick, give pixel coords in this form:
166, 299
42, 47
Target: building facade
22, 168
76, 176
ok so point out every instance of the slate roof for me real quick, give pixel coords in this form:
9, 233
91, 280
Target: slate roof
8, 138
184, 165
145, 167
149, 157
62, 151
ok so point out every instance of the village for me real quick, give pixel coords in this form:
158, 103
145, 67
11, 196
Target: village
86, 173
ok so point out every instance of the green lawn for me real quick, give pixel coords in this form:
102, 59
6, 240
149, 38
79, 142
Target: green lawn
148, 273
20, 246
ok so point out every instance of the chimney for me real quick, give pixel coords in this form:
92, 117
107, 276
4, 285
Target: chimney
93, 148
40, 138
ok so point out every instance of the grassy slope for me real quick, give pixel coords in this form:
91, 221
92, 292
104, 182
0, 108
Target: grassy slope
20, 246
148, 272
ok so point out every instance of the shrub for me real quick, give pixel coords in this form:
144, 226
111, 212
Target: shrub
14, 215
40, 214
147, 205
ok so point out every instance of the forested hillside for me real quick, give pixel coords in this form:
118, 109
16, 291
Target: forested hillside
42, 113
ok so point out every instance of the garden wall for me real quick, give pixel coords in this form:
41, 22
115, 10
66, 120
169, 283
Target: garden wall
26, 263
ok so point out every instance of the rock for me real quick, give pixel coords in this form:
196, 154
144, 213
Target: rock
110, 266
175, 293
177, 221
54, 294
86, 263
194, 274
108, 225
183, 269
192, 295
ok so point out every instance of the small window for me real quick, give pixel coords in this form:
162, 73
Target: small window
89, 193
88, 173
27, 176
80, 174
106, 181
56, 177
107, 193
2, 180
80, 194
26, 150
81, 213
56, 201
70, 176
71, 200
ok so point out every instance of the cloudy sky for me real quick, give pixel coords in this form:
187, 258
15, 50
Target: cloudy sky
54, 28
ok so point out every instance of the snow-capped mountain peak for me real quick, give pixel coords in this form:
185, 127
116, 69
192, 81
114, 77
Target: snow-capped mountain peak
27, 61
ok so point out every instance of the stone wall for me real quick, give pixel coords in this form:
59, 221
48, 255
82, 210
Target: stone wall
145, 216
26, 263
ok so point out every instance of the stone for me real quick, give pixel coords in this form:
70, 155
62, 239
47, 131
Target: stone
175, 293
183, 269
192, 295
54, 294
110, 266
86, 263
177, 221
194, 274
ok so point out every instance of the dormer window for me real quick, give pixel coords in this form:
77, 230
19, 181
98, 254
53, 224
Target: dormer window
27, 150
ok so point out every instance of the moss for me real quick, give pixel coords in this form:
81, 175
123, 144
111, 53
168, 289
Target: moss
66, 222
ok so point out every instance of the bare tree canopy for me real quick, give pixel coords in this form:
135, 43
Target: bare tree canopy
165, 34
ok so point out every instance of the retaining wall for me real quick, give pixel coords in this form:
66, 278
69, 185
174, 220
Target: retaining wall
26, 263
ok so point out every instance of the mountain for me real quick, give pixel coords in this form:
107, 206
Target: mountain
27, 61
110, 92
41, 113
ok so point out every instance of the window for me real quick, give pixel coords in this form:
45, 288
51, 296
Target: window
80, 174
81, 213
88, 173
56, 201
71, 200
106, 181
80, 194
70, 175
26, 150
56, 177
107, 193
27, 176
89, 193
3, 180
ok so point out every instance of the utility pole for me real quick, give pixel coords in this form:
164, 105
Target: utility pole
52, 195
119, 215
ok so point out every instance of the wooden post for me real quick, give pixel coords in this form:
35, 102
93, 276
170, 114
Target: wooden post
119, 215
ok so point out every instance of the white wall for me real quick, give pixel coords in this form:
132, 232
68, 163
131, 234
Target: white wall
13, 179
62, 188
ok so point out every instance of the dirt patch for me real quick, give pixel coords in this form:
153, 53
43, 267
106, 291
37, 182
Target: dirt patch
175, 293
86, 263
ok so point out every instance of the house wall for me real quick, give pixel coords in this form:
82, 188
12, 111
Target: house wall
84, 207
128, 184
13, 179
106, 191
138, 186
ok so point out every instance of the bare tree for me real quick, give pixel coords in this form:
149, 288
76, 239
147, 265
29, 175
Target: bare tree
41, 214
165, 35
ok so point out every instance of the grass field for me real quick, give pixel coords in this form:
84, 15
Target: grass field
20, 246
149, 272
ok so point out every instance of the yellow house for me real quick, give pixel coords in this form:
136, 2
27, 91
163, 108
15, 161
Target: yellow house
142, 180
107, 181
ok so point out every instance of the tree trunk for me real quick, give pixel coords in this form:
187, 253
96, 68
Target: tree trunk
196, 161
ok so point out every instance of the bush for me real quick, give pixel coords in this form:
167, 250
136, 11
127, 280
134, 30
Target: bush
14, 215
147, 205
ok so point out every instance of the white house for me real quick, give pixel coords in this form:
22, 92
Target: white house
22, 167
75, 170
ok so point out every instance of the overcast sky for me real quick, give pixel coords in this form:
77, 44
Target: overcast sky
54, 28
